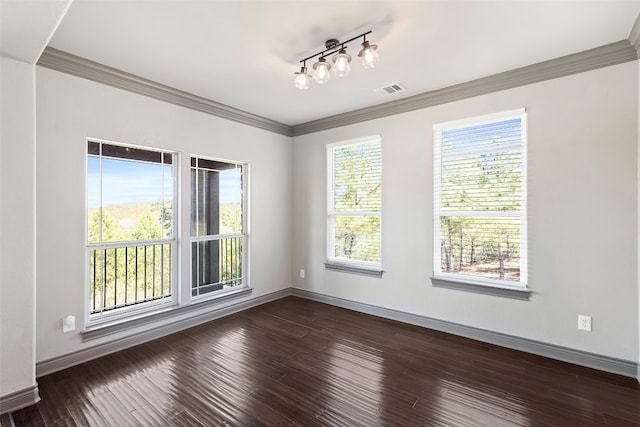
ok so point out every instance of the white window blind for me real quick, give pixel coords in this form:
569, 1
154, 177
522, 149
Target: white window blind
354, 202
480, 199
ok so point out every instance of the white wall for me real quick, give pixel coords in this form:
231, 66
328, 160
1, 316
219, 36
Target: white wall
17, 226
583, 205
582, 160
69, 110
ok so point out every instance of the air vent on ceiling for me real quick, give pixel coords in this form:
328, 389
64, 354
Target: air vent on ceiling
390, 90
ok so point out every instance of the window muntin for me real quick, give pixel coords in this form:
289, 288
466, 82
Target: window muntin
218, 224
130, 229
354, 171
480, 200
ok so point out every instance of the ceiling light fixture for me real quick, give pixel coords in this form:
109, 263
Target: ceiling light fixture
302, 78
321, 74
370, 57
341, 65
340, 60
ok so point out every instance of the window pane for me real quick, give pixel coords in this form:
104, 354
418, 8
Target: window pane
357, 178
129, 199
481, 246
93, 148
231, 201
216, 265
216, 199
357, 238
204, 203
482, 167
354, 200
205, 275
93, 200
133, 201
480, 197
216, 211
166, 206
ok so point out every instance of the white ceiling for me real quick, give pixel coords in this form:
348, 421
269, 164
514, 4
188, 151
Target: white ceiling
27, 26
244, 53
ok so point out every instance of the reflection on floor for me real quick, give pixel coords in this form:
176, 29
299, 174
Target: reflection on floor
297, 362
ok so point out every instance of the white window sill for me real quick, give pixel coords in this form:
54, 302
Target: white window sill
460, 284
104, 329
344, 267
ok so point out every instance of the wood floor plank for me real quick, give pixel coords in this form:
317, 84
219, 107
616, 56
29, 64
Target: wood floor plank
295, 362
5, 420
28, 417
64, 422
184, 419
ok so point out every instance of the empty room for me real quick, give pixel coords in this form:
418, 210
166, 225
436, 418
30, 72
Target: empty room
319, 213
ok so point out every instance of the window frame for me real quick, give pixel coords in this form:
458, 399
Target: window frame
514, 289
244, 235
367, 268
133, 311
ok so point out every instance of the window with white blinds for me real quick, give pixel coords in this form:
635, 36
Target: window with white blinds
480, 200
354, 202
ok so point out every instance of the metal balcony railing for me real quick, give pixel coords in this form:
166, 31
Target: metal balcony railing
216, 263
124, 275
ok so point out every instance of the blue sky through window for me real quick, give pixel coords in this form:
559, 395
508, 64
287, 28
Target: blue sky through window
129, 182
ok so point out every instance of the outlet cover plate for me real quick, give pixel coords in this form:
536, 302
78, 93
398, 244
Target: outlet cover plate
584, 323
68, 323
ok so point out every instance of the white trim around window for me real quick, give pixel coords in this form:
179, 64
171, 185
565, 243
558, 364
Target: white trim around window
130, 273
219, 243
354, 206
138, 259
480, 204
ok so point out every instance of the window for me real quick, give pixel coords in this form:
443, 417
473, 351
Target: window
133, 244
130, 229
480, 201
218, 224
354, 172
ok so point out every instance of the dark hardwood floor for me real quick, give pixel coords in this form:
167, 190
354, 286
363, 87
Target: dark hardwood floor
295, 362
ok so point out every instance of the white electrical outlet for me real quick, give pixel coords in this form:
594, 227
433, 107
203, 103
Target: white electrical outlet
302, 274
68, 323
584, 323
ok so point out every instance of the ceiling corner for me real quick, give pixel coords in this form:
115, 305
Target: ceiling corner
27, 26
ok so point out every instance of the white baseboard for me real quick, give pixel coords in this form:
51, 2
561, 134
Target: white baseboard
19, 399
578, 357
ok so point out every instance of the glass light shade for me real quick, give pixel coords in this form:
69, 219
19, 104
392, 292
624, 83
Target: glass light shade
341, 65
370, 57
321, 75
302, 79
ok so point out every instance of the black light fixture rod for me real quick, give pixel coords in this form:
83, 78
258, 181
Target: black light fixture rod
334, 48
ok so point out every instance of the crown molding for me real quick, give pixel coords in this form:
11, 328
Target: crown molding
634, 36
603, 56
59, 60
599, 57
